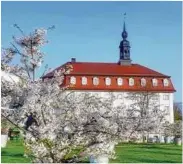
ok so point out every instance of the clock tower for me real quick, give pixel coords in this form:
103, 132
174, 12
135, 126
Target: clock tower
124, 48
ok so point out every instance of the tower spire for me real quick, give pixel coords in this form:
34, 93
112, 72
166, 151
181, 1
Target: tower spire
124, 33
124, 28
124, 47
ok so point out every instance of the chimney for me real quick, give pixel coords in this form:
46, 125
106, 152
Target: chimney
73, 60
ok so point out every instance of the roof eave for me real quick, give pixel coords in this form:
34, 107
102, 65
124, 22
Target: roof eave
135, 75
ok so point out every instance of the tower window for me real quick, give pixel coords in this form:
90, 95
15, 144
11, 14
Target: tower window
131, 82
108, 81
155, 82
84, 80
143, 82
120, 81
165, 82
73, 80
95, 81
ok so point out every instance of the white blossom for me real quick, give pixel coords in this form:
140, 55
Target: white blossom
65, 120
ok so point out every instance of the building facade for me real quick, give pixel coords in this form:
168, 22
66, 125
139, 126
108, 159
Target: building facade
120, 78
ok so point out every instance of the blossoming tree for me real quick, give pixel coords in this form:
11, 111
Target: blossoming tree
56, 121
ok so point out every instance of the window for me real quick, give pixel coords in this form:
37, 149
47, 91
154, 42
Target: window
155, 97
166, 108
84, 81
131, 82
108, 81
165, 97
155, 82
165, 82
120, 81
95, 81
73, 80
143, 82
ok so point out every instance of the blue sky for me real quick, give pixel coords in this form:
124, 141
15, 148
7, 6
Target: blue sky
91, 31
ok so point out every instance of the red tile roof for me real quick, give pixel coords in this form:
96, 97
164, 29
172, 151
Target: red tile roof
84, 68
113, 70
110, 69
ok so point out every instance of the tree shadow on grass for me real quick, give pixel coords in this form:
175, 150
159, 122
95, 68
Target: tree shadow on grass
149, 160
172, 148
157, 152
5, 153
143, 159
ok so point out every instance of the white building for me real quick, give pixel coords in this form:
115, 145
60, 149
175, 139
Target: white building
120, 78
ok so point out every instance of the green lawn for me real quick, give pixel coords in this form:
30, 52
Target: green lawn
148, 153
126, 153
13, 153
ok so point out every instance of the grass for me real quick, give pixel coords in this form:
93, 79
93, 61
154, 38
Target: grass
148, 153
14, 153
125, 152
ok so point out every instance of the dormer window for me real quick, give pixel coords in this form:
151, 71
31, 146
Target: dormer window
84, 80
108, 81
155, 82
73, 80
131, 82
95, 81
143, 82
120, 81
165, 82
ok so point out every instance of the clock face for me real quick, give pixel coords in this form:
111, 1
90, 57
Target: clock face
124, 43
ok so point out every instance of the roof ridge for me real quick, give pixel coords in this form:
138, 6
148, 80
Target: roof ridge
98, 63
93, 62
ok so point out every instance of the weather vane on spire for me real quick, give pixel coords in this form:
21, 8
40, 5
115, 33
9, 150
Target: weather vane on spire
124, 16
